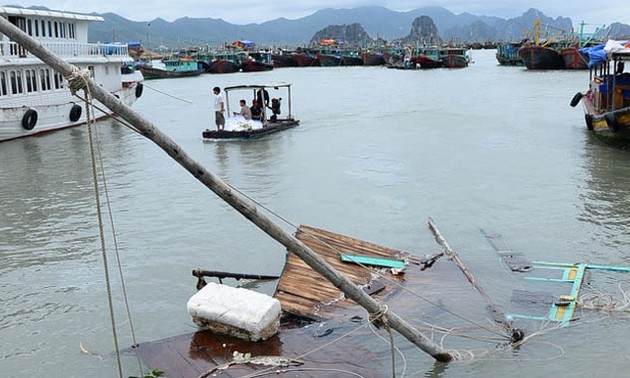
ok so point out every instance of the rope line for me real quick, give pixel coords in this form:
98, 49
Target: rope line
77, 81
90, 125
117, 252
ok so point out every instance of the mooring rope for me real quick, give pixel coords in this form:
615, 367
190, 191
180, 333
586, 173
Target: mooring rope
117, 254
379, 319
77, 81
101, 231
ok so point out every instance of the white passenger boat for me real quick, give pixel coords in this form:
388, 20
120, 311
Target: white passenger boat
34, 98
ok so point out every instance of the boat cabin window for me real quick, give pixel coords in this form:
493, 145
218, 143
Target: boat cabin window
43, 28
36, 24
44, 77
71, 31
3, 84
58, 79
31, 80
16, 82
50, 33
29, 27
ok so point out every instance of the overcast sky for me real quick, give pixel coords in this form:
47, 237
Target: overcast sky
257, 11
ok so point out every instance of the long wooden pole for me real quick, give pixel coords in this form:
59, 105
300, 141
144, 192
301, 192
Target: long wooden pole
232, 197
499, 315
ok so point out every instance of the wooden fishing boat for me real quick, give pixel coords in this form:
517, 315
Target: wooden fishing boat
329, 59
454, 57
171, 68
428, 57
283, 59
573, 58
351, 58
272, 119
257, 62
225, 62
373, 58
541, 55
306, 59
507, 54
607, 101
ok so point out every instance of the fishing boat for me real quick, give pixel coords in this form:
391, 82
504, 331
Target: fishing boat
427, 57
507, 54
351, 58
607, 101
171, 68
574, 57
329, 59
282, 58
226, 61
454, 57
275, 115
373, 58
34, 98
541, 55
306, 58
257, 62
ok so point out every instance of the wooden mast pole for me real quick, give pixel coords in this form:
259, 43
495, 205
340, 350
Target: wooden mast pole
232, 197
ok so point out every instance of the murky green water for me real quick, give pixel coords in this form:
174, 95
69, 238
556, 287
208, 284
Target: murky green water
377, 153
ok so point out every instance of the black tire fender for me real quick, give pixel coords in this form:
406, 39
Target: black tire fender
576, 99
589, 121
139, 89
29, 120
611, 120
75, 113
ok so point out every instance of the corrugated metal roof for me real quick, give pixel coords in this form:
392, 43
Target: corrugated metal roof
47, 13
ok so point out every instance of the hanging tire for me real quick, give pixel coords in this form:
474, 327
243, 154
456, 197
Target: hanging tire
589, 121
576, 99
611, 120
75, 113
139, 89
30, 119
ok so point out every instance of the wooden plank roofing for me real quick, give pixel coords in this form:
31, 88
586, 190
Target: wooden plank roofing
304, 292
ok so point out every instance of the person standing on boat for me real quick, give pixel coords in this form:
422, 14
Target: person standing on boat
219, 108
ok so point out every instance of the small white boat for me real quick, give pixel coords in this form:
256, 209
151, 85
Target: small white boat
36, 99
275, 114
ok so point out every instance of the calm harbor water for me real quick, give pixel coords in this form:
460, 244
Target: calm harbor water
377, 153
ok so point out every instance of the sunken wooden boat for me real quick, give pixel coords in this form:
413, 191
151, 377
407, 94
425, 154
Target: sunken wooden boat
276, 114
607, 101
315, 312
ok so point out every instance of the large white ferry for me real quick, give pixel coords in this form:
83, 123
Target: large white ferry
34, 98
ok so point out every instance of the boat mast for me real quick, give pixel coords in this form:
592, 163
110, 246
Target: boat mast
231, 196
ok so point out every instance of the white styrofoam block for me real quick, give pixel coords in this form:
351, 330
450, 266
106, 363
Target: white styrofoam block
238, 312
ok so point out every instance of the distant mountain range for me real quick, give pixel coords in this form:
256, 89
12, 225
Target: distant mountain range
378, 22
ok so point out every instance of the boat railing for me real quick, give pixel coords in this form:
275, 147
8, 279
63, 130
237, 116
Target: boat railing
65, 49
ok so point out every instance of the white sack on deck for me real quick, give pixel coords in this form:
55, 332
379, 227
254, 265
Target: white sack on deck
239, 123
237, 312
